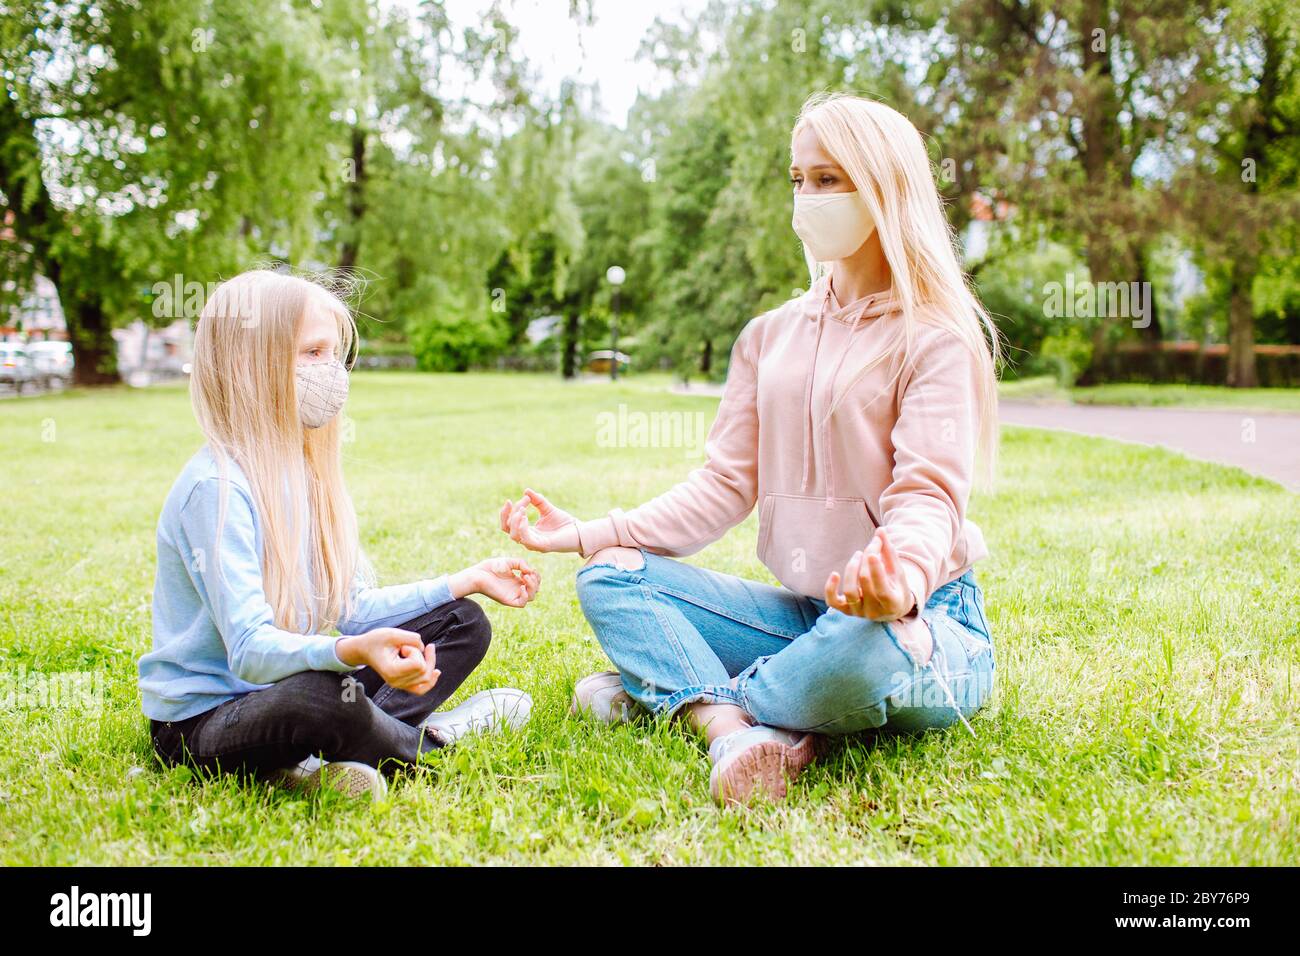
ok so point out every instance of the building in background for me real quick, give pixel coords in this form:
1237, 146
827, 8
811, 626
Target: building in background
985, 216
146, 354
28, 313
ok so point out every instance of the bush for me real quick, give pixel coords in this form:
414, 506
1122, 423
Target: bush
1010, 283
448, 331
453, 343
1065, 355
1189, 363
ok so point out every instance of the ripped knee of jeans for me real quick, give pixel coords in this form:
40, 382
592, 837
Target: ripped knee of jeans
913, 635
625, 559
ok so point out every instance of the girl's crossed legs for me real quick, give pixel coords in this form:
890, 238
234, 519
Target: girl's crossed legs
341, 717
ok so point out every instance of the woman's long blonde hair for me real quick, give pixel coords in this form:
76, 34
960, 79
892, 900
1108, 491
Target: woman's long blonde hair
243, 389
884, 155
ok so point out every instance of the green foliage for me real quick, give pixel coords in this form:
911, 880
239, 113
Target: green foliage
1240, 188
1276, 296
143, 141
452, 339
1012, 282
568, 233
215, 135
198, 137
1067, 354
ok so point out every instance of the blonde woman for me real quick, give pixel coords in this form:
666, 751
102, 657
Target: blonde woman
258, 561
851, 418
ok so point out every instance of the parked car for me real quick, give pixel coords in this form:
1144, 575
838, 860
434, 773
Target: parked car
53, 361
16, 369
600, 361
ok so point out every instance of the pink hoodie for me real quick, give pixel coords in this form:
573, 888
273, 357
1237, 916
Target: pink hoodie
897, 452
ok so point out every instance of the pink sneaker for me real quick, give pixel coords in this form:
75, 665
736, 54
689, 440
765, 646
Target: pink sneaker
601, 695
758, 759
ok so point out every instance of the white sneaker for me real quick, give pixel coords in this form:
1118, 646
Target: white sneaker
347, 777
759, 758
485, 712
601, 695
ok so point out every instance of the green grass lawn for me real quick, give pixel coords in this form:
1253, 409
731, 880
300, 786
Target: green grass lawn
1144, 608
1045, 388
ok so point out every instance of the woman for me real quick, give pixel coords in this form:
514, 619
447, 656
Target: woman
851, 417
258, 560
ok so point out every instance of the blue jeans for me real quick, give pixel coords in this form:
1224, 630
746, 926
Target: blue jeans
678, 634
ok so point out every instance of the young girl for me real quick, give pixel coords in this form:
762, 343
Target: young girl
851, 418
258, 559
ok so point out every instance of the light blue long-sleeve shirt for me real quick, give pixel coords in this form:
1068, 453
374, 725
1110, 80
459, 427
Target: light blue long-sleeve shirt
214, 635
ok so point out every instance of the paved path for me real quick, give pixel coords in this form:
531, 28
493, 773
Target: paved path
1263, 443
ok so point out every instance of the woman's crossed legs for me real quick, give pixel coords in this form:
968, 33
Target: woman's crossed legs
733, 651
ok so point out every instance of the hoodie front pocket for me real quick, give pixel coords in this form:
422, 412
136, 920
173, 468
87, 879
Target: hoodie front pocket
802, 539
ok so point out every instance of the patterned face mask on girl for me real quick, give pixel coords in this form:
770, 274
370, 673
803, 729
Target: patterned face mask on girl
322, 390
832, 226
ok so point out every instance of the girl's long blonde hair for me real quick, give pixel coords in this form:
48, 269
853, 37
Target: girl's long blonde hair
243, 389
884, 155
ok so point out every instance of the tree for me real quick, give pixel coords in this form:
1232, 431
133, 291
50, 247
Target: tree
389, 105
415, 211
719, 142
585, 223
144, 141
1243, 186
705, 285
533, 184
1057, 108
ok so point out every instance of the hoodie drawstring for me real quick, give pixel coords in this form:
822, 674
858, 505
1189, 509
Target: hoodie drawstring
808, 448
826, 424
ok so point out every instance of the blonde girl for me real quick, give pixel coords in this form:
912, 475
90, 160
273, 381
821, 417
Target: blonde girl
258, 562
851, 418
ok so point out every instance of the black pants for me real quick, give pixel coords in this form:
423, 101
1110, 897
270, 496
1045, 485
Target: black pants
334, 716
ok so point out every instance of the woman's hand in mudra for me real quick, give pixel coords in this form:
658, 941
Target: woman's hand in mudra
874, 586
555, 529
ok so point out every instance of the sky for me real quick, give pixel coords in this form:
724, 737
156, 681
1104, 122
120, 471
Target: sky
603, 53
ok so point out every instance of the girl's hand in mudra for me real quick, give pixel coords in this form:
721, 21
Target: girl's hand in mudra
555, 530
400, 657
509, 581
874, 586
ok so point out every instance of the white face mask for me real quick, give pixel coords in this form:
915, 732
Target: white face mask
322, 390
832, 225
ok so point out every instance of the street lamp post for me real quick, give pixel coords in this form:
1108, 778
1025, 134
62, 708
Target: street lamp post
615, 275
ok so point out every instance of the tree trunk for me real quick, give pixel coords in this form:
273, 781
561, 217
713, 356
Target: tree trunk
569, 346
1101, 155
706, 357
94, 350
1101, 366
1241, 332
1207, 339
1153, 334
356, 203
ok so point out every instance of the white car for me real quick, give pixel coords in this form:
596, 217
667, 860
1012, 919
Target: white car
16, 369
53, 361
